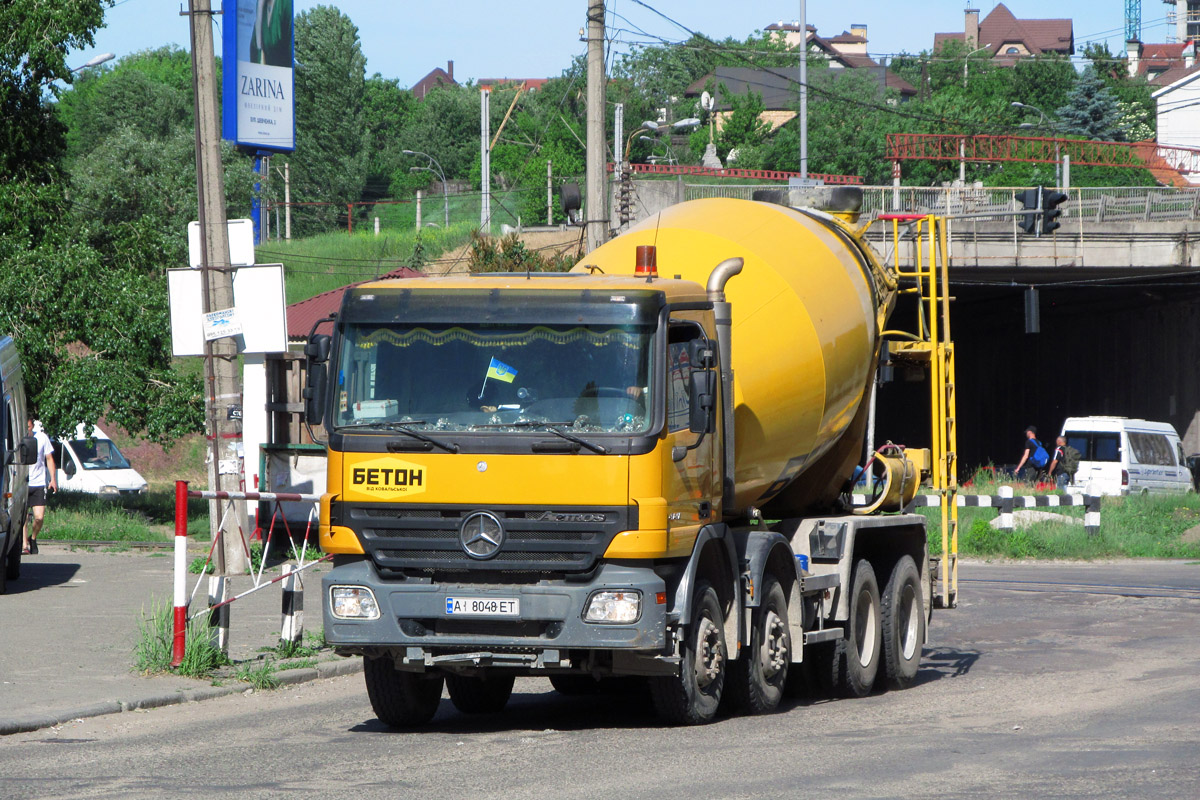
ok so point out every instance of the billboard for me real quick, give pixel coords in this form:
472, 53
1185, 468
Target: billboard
257, 54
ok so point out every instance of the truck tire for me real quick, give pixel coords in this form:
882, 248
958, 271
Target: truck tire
480, 694
756, 681
903, 614
857, 655
12, 565
693, 696
401, 699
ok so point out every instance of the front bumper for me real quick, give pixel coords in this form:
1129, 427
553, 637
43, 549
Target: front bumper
414, 627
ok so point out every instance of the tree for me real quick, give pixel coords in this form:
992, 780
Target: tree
1091, 110
149, 91
330, 161
744, 126
387, 109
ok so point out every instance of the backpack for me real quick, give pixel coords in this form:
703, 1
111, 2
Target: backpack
1070, 460
1040, 457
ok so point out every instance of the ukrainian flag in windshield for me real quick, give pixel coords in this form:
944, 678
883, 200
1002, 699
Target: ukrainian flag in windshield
500, 371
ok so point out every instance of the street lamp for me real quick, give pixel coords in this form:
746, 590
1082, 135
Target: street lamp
1042, 120
967, 60
430, 168
96, 61
645, 126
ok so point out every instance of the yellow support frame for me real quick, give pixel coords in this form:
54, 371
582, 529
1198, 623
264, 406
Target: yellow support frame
932, 344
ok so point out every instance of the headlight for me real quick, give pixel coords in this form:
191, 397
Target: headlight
353, 602
108, 488
622, 606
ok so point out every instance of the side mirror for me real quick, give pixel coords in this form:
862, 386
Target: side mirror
700, 354
317, 351
317, 348
703, 401
27, 451
68, 465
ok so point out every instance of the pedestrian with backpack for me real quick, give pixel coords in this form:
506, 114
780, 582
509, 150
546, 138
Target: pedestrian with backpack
1034, 459
1064, 464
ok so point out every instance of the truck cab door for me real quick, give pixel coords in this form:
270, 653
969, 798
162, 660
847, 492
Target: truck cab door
688, 483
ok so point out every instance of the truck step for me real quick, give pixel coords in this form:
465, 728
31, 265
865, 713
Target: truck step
811, 584
827, 635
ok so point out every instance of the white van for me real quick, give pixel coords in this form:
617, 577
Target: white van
1119, 455
95, 465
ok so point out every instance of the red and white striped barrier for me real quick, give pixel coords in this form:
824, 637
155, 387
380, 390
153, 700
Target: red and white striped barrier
292, 628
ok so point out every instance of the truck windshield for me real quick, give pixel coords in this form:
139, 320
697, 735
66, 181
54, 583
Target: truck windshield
99, 454
489, 377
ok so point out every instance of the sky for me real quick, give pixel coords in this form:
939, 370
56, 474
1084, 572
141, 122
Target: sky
405, 39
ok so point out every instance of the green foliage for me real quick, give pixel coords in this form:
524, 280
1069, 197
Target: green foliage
445, 124
1130, 527
1091, 110
154, 648
261, 676
149, 92
386, 110
330, 161
743, 127
509, 254
152, 651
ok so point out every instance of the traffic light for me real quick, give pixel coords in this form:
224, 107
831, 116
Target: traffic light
1050, 210
1031, 200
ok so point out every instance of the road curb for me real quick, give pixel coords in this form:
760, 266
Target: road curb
287, 677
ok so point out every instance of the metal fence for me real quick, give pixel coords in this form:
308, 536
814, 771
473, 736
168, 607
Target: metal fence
1091, 204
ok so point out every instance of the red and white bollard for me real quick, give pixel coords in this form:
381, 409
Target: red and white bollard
181, 598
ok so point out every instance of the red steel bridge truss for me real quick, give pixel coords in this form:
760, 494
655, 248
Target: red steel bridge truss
1168, 163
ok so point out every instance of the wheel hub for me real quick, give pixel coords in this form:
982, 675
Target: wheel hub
710, 655
774, 651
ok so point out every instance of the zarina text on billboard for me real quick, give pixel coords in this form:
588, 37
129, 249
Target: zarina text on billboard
258, 102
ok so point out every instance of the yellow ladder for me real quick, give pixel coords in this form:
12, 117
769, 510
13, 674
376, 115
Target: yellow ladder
931, 344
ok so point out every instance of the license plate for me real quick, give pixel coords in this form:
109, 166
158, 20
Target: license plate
483, 606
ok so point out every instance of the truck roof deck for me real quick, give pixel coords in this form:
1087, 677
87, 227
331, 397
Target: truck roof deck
674, 290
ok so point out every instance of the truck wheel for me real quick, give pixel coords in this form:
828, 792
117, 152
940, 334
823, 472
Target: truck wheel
12, 565
856, 656
693, 696
757, 680
401, 699
483, 694
903, 614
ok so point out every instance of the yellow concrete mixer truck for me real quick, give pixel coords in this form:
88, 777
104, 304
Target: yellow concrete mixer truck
637, 468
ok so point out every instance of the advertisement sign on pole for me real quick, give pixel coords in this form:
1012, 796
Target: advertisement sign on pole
258, 107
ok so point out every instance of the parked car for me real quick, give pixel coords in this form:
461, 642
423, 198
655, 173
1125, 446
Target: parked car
17, 452
1119, 455
95, 464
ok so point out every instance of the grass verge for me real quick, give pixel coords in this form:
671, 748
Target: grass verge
148, 517
1152, 526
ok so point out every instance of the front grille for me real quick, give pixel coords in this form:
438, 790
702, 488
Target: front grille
426, 538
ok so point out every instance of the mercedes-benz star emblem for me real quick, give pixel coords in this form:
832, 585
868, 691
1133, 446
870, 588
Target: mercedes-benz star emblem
481, 535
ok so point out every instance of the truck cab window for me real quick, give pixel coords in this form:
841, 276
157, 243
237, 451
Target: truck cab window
679, 372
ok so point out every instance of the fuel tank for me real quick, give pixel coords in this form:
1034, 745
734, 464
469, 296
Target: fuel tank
807, 309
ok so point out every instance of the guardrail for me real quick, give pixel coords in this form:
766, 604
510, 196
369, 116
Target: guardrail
1005, 502
1089, 204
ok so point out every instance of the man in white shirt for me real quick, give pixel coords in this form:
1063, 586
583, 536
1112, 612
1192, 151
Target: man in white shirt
43, 471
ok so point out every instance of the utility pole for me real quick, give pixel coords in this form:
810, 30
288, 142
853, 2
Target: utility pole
287, 200
597, 201
803, 91
223, 389
485, 161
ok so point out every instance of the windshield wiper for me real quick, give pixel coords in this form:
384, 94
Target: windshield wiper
549, 426
401, 428
595, 448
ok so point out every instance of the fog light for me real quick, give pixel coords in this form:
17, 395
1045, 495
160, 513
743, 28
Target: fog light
353, 602
614, 606
108, 488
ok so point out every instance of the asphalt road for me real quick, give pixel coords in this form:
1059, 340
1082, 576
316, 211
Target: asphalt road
1046, 682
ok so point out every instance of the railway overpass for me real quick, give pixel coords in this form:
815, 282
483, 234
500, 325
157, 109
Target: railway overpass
1117, 295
